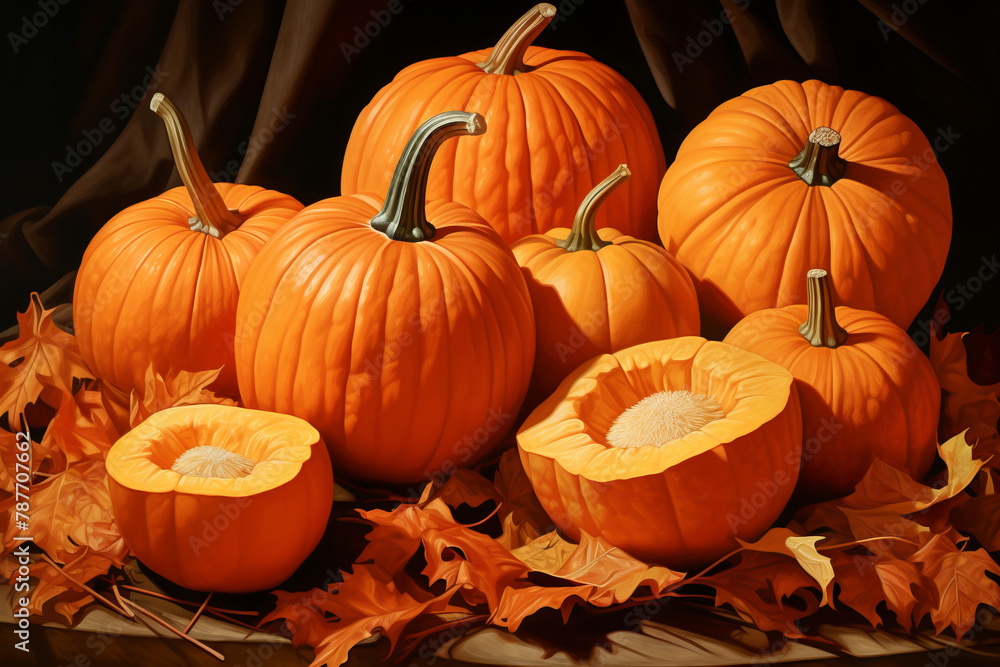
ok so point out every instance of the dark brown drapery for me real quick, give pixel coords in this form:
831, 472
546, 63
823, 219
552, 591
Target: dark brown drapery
271, 90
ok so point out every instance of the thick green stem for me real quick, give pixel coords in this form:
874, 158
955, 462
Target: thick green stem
819, 162
584, 235
211, 215
821, 328
403, 216
507, 56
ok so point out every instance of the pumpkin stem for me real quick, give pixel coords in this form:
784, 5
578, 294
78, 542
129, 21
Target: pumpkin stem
819, 162
403, 216
507, 56
821, 328
211, 215
584, 235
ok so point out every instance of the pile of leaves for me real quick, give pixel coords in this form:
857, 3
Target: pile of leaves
71, 419
478, 550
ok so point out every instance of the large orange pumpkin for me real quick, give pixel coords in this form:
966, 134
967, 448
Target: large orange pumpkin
559, 122
218, 498
404, 334
670, 450
867, 391
790, 176
160, 281
596, 291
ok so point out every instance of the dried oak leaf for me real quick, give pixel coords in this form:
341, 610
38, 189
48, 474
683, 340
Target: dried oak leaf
174, 389
866, 580
366, 602
965, 404
955, 584
42, 356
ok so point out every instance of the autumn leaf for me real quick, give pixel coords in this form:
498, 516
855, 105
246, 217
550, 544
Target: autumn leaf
802, 549
81, 428
175, 389
866, 580
43, 355
955, 584
966, 404
980, 518
521, 513
366, 602
51, 584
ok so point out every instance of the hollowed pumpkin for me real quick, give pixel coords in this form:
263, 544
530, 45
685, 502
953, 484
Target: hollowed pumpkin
405, 335
159, 282
596, 291
669, 450
867, 391
219, 498
560, 121
789, 177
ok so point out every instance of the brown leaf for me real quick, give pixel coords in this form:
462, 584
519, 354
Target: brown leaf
43, 355
520, 512
802, 549
81, 428
867, 580
955, 584
174, 389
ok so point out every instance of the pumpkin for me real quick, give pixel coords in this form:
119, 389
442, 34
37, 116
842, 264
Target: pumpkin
220, 498
670, 450
790, 176
559, 122
160, 281
596, 291
402, 330
867, 391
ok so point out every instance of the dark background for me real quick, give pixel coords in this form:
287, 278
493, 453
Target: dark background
230, 63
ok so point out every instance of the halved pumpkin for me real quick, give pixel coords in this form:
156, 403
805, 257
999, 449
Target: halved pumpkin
219, 498
669, 450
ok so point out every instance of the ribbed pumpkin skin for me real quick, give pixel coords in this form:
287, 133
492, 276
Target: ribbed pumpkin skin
683, 504
876, 396
588, 303
150, 290
748, 228
212, 535
555, 131
407, 357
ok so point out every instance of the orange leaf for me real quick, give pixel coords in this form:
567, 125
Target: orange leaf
51, 585
521, 513
955, 584
965, 404
179, 388
865, 581
43, 355
81, 428
802, 549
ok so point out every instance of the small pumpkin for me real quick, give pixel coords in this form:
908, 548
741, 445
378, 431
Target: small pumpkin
790, 176
560, 121
867, 391
596, 291
670, 450
220, 498
403, 331
160, 281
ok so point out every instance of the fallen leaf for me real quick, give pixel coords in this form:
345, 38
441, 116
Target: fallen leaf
174, 389
866, 580
802, 549
43, 355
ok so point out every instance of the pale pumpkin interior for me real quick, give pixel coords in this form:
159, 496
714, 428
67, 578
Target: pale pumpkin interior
572, 425
277, 445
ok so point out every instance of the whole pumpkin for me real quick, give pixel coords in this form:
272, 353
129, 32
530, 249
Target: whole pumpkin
219, 498
670, 450
559, 122
596, 291
792, 176
160, 281
867, 391
403, 333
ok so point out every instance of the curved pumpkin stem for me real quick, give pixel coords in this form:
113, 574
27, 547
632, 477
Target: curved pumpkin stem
507, 56
819, 162
821, 328
584, 235
403, 216
211, 215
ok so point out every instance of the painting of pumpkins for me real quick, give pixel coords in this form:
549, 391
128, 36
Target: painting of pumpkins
589, 333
